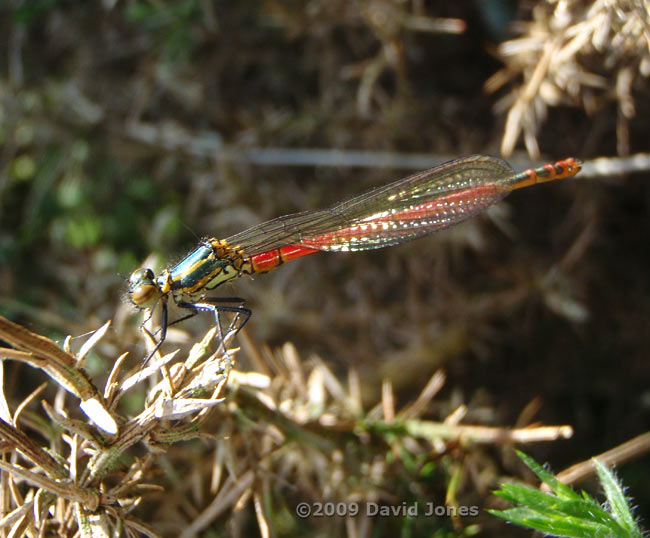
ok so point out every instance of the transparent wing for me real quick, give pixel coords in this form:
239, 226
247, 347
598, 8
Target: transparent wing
406, 209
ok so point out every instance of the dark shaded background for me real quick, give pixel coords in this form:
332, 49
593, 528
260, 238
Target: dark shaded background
548, 296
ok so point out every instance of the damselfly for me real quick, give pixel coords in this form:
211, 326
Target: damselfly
401, 211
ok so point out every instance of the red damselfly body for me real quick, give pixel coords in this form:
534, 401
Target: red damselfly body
407, 209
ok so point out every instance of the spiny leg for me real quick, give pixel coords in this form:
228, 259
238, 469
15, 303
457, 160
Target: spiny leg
163, 332
209, 300
214, 305
240, 310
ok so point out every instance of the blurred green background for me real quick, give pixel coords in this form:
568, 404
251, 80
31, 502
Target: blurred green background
124, 131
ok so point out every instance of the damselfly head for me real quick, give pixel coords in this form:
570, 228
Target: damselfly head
143, 290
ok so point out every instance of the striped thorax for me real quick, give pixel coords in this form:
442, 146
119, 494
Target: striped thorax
209, 265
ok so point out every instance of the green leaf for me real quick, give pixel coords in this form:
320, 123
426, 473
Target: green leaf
618, 503
565, 512
555, 526
525, 495
548, 478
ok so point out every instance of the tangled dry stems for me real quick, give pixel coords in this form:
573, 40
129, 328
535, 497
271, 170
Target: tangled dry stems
573, 52
297, 424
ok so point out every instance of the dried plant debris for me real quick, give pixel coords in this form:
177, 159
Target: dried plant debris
573, 52
84, 482
388, 22
295, 424
60, 365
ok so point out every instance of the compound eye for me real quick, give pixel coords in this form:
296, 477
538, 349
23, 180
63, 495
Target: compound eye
143, 291
144, 274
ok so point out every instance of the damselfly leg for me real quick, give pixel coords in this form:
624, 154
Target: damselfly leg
214, 305
208, 304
